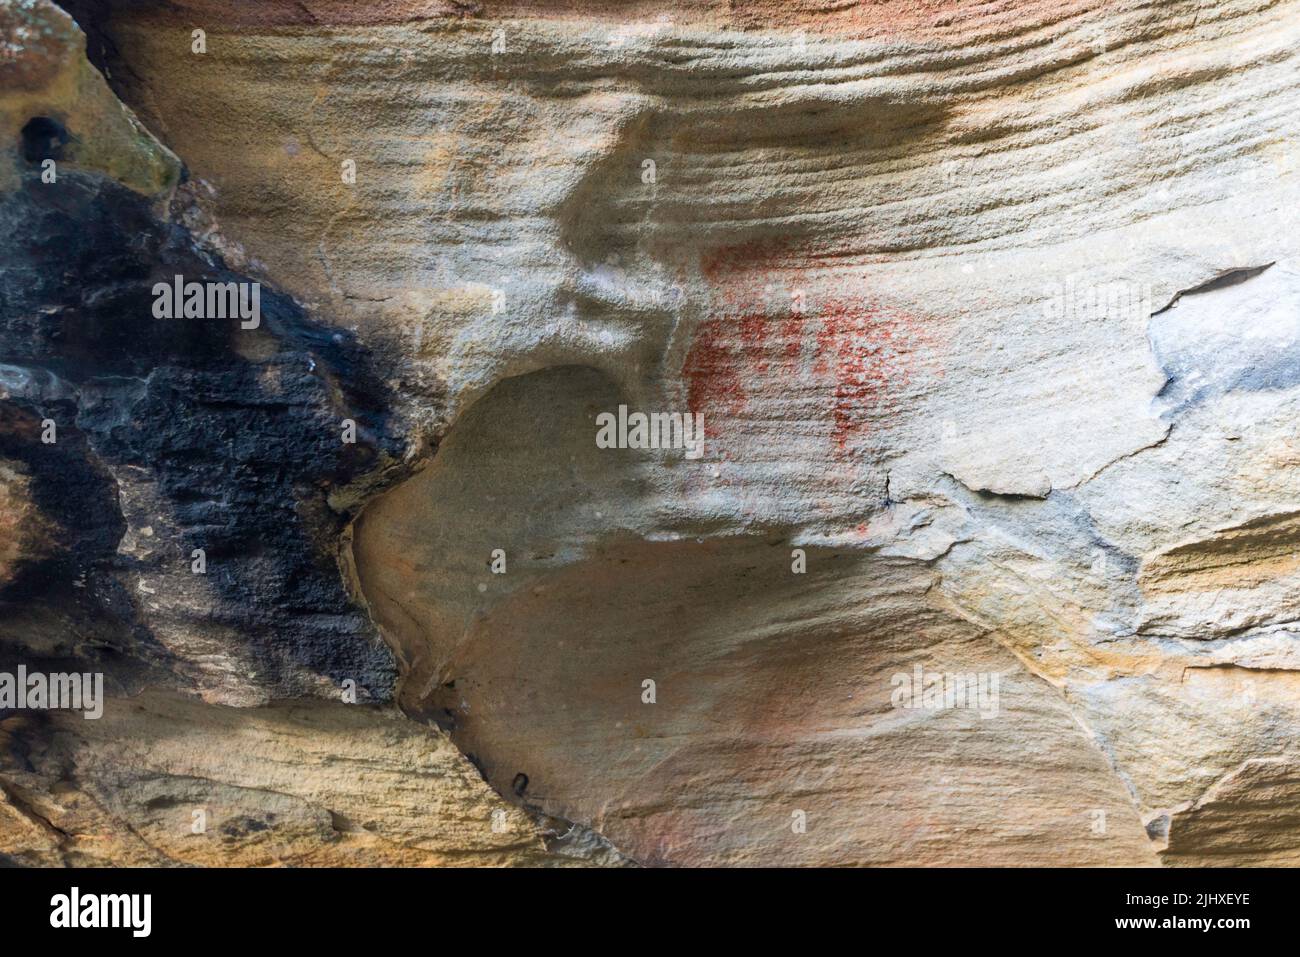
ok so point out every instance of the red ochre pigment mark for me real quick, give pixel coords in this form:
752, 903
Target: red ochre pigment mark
792, 340
871, 353
713, 376
857, 354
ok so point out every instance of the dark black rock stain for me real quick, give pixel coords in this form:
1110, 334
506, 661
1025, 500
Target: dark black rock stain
244, 451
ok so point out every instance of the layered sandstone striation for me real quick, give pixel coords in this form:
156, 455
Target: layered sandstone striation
992, 314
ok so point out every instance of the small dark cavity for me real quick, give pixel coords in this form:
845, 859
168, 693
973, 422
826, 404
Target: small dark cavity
1158, 828
43, 138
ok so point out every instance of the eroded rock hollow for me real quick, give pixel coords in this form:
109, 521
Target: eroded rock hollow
667, 434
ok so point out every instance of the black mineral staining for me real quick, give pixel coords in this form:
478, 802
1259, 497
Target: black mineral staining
239, 429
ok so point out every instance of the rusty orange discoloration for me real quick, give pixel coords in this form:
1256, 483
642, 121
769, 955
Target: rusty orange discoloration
35, 44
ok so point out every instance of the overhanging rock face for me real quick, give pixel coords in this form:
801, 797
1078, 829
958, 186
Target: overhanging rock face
815, 433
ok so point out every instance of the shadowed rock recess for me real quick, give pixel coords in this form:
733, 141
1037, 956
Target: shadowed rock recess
990, 314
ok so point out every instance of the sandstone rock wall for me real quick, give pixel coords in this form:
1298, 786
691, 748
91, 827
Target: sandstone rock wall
990, 311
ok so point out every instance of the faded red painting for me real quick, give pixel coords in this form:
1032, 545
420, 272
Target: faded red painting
777, 327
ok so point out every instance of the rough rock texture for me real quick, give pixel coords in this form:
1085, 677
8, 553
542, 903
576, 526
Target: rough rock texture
305, 783
991, 309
